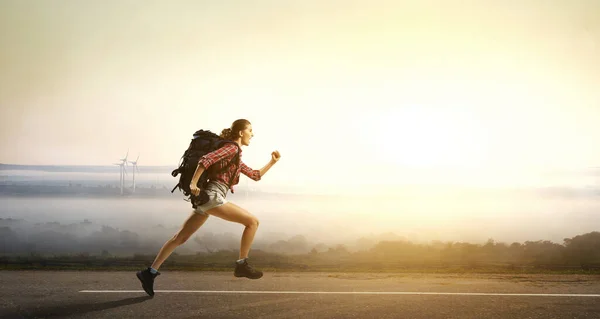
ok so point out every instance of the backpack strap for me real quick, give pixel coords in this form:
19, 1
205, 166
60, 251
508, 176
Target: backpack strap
236, 158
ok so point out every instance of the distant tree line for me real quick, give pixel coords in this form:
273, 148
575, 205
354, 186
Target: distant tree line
581, 252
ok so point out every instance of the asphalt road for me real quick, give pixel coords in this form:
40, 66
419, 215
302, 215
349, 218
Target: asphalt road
85, 294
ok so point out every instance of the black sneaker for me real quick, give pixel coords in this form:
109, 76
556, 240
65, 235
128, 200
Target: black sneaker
147, 279
245, 270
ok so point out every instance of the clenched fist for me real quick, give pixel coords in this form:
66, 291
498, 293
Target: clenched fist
275, 156
194, 189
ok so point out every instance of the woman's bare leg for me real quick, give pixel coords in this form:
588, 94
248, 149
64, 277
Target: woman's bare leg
231, 212
190, 226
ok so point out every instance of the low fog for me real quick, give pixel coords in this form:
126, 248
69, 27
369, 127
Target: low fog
290, 223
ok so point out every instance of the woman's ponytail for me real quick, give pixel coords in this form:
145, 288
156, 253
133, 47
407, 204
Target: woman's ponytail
226, 133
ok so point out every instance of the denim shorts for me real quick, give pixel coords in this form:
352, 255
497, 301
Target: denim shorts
214, 196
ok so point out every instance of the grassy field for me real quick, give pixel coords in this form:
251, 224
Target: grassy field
224, 261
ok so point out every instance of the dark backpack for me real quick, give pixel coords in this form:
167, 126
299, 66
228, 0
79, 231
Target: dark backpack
203, 142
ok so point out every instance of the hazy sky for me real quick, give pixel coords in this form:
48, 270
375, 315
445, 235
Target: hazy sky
350, 92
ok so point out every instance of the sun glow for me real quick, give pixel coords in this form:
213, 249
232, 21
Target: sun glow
427, 137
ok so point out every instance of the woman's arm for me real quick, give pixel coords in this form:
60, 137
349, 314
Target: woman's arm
253, 174
257, 174
199, 170
229, 150
275, 156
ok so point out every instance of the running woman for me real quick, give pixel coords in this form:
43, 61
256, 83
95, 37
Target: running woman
213, 202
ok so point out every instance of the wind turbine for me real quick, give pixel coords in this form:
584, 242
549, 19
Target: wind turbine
121, 178
125, 159
135, 167
123, 172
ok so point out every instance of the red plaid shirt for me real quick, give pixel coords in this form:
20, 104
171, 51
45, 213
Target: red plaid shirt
221, 158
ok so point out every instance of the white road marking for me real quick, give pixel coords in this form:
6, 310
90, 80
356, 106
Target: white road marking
275, 292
